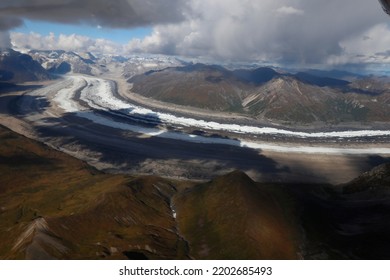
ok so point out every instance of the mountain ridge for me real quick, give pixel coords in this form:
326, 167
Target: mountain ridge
58, 207
16, 67
268, 95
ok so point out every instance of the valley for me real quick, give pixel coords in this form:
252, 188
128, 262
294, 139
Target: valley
91, 167
165, 132
281, 98
53, 206
95, 120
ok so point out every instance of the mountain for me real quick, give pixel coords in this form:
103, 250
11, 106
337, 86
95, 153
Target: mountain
233, 217
257, 76
375, 180
334, 74
289, 100
320, 81
17, 67
354, 218
268, 95
137, 65
62, 62
53, 206
197, 85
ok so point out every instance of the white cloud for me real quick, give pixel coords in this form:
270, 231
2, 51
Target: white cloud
71, 42
369, 47
112, 14
299, 32
264, 30
287, 10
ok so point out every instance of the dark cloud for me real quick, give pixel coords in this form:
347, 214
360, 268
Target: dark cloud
106, 13
284, 31
7, 23
297, 32
114, 14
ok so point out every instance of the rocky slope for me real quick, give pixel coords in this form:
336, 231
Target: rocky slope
232, 217
53, 206
202, 86
265, 94
16, 67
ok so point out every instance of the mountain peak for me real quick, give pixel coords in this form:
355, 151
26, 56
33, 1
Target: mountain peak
257, 76
18, 67
236, 177
374, 180
381, 172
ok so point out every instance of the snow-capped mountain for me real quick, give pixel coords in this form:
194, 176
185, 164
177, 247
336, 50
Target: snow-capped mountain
136, 65
62, 62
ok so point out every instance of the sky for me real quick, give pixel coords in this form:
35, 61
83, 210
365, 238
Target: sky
301, 33
119, 36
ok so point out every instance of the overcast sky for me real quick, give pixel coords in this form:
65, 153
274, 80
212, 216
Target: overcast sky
285, 32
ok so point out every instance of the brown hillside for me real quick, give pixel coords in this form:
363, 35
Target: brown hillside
232, 217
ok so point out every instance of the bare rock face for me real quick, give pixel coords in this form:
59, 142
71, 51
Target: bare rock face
39, 242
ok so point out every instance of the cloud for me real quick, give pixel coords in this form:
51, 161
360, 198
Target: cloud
287, 10
114, 14
369, 47
71, 42
7, 23
104, 13
5, 41
297, 32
